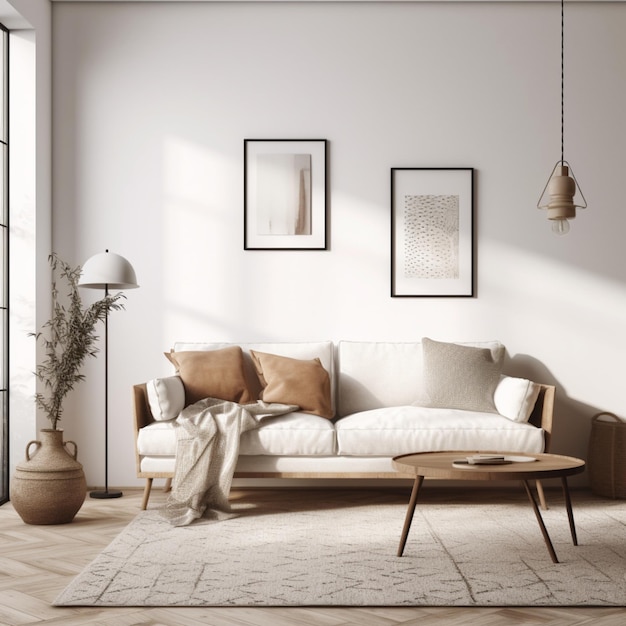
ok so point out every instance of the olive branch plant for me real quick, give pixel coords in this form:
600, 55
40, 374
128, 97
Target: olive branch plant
68, 337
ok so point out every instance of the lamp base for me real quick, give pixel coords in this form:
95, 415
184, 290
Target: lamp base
104, 495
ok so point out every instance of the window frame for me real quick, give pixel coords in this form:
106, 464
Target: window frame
4, 268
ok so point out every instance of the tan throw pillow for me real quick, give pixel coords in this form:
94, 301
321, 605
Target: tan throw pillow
461, 377
294, 381
212, 374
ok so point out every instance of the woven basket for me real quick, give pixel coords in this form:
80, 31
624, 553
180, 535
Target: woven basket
606, 460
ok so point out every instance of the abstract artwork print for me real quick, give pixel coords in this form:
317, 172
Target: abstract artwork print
431, 236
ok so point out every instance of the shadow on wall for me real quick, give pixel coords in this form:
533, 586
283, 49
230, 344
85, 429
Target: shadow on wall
572, 419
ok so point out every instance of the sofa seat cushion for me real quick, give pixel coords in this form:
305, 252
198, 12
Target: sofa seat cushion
402, 430
157, 439
292, 434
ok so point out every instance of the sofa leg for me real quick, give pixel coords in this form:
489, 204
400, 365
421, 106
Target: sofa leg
168, 485
146, 494
542, 496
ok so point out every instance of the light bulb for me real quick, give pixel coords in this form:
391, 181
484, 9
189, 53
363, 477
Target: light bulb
560, 227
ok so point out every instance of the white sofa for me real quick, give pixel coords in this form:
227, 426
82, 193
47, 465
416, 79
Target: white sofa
381, 406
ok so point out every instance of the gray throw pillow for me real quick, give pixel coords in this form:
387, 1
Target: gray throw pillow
461, 377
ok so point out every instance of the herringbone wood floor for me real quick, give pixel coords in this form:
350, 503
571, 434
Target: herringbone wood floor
37, 562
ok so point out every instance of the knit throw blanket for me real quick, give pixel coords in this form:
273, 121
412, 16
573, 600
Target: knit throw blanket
206, 454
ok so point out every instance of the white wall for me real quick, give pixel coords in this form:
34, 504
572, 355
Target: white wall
152, 102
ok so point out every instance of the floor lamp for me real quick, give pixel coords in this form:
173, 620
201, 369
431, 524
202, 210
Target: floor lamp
103, 271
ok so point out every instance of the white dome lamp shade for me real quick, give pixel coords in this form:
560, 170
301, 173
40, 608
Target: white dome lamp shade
107, 271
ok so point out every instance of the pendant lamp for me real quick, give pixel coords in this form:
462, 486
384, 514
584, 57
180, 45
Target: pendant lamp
562, 186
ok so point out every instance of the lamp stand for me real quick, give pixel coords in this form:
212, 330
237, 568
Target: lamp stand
102, 271
103, 495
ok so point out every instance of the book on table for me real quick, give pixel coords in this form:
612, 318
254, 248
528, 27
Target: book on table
484, 459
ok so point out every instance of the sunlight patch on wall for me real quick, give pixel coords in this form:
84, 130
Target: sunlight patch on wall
361, 236
193, 224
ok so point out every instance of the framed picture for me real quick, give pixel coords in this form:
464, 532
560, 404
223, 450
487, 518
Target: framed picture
432, 232
284, 194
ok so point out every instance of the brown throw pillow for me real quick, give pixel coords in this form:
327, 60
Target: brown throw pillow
212, 374
294, 381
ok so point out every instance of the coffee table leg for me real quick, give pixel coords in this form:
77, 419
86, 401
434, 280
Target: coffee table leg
570, 513
542, 495
409, 514
542, 526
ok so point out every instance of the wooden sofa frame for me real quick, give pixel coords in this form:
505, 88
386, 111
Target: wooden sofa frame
541, 417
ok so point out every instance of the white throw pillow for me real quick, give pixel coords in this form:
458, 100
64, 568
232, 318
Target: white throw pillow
166, 397
515, 398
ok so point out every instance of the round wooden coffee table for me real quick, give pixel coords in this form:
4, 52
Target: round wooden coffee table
526, 467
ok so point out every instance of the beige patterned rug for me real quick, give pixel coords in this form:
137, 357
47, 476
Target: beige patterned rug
456, 555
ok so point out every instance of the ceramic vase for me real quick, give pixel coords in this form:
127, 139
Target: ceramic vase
49, 487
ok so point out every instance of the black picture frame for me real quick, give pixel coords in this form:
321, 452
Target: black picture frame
285, 194
432, 232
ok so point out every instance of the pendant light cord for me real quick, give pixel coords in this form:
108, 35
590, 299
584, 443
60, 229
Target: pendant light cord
562, 162
562, 82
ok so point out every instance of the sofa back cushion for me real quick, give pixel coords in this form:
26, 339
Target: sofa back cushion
373, 375
322, 350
